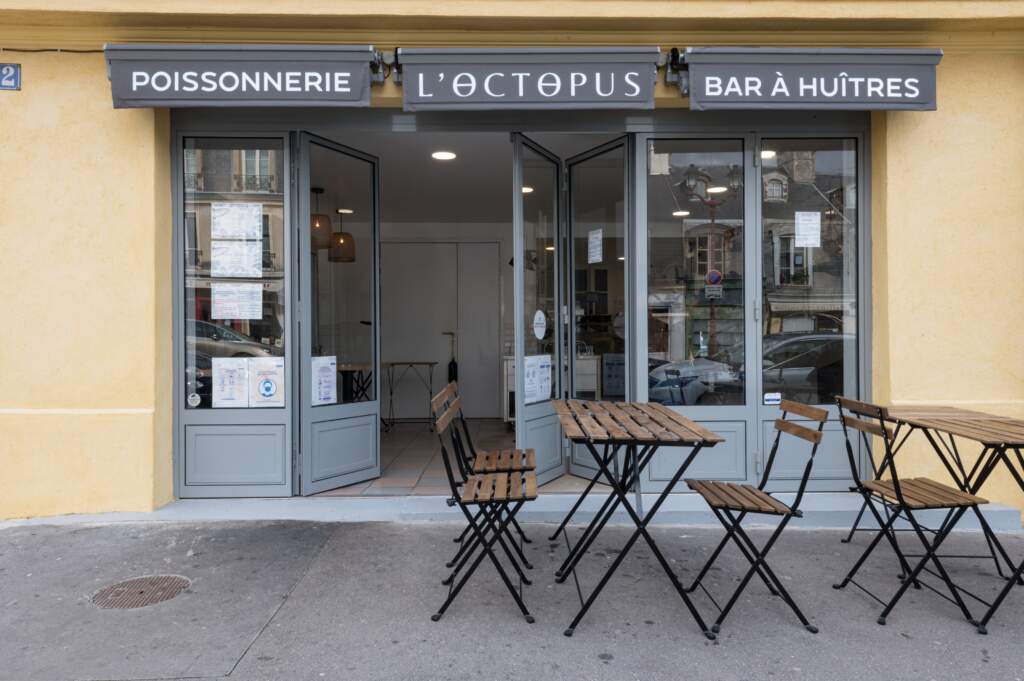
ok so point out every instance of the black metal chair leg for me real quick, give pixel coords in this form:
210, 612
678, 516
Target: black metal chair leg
1010, 583
471, 547
729, 530
856, 524
870, 548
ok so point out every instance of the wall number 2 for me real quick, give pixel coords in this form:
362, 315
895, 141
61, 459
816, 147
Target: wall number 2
10, 76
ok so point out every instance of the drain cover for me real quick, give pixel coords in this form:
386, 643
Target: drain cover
139, 592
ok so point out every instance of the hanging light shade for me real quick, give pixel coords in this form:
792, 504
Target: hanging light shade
343, 246
319, 224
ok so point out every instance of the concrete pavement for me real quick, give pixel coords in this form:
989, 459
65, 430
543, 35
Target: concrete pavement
299, 600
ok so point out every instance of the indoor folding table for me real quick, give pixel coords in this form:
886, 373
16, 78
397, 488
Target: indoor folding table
605, 429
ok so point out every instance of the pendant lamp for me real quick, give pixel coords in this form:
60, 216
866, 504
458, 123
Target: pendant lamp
343, 245
319, 224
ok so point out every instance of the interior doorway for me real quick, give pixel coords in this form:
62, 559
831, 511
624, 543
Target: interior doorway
447, 292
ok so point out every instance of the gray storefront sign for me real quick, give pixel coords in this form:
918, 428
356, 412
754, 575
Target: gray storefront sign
239, 75
528, 78
799, 78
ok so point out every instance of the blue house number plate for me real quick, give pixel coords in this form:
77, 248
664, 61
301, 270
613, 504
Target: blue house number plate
10, 76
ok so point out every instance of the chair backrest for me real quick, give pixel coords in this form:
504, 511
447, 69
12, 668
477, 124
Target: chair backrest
795, 429
869, 420
458, 432
445, 414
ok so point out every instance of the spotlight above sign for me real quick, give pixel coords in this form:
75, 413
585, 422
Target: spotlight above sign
443, 79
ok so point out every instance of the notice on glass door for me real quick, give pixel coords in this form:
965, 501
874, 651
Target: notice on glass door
230, 258
595, 246
230, 382
325, 380
236, 301
266, 382
236, 220
536, 378
807, 226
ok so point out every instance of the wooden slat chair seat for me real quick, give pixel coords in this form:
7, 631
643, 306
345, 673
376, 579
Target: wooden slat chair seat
490, 487
505, 460
731, 502
737, 497
888, 494
923, 493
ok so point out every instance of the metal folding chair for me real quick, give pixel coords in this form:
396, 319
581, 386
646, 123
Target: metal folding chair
732, 502
901, 498
470, 460
496, 498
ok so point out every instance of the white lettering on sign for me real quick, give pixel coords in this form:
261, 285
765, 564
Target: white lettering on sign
549, 84
487, 84
244, 81
544, 85
464, 84
841, 86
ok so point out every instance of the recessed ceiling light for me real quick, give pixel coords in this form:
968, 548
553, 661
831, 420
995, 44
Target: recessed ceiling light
622, 257
527, 190
767, 154
345, 211
717, 190
680, 213
549, 248
443, 155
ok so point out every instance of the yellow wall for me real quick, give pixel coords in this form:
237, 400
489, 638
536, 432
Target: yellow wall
84, 224
85, 375
949, 248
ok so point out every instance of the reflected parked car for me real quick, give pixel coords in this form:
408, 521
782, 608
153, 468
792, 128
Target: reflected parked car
805, 367
199, 379
684, 383
215, 340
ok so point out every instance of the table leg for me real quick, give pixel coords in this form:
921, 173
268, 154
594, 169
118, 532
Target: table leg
641, 531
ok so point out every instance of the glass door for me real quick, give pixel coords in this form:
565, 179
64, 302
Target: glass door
598, 323
537, 248
700, 324
809, 274
337, 327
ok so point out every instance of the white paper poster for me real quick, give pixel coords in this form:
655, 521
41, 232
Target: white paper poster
266, 382
325, 380
536, 378
808, 230
236, 301
230, 382
236, 258
236, 220
595, 246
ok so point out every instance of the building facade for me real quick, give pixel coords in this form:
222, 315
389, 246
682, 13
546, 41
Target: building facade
742, 238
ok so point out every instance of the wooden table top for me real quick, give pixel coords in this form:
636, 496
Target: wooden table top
629, 423
988, 429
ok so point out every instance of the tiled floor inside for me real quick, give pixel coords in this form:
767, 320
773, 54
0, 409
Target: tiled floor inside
410, 461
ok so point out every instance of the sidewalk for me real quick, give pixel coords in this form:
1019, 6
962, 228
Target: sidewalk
292, 601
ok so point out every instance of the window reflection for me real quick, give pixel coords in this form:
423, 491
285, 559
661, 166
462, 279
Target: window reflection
695, 272
342, 271
234, 259
598, 228
540, 210
808, 232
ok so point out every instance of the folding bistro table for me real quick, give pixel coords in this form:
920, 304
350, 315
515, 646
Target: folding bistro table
1002, 441
605, 428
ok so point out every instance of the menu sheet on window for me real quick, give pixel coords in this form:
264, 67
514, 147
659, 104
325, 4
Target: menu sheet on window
807, 227
536, 378
232, 258
236, 301
230, 382
236, 220
325, 380
595, 246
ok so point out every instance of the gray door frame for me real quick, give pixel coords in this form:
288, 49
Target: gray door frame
661, 123
355, 468
540, 416
227, 421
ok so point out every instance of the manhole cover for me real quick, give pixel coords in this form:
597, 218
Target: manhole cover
141, 591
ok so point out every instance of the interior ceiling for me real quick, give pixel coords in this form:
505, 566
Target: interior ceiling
475, 187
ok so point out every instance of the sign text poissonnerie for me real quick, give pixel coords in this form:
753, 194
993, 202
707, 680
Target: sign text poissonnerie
240, 75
